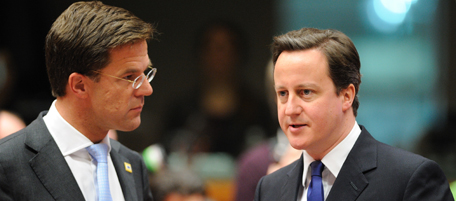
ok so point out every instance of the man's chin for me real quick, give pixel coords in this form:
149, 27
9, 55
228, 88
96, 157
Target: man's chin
298, 144
131, 126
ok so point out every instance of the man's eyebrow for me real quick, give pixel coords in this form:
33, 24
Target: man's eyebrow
277, 86
130, 70
311, 85
135, 70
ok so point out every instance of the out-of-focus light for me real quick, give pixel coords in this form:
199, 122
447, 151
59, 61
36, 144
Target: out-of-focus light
391, 11
387, 15
396, 6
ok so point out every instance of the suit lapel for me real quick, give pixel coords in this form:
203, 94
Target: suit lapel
294, 182
126, 179
49, 165
351, 181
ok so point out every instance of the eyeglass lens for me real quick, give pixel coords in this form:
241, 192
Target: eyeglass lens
140, 79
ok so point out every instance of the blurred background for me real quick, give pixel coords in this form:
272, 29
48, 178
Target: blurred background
210, 104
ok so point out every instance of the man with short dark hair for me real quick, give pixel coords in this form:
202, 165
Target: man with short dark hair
317, 78
99, 69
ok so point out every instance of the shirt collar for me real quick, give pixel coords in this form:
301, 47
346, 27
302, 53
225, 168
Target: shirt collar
334, 160
68, 139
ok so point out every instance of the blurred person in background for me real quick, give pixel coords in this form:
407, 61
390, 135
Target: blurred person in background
221, 114
177, 185
99, 69
210, 126
316, 79
10, 122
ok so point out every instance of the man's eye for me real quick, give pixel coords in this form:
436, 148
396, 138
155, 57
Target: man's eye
306, 92
128, 77
282, 93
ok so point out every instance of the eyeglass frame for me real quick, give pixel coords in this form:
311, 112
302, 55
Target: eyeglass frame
150, 76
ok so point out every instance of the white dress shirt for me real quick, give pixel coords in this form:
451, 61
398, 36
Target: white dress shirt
72, 144
333, 162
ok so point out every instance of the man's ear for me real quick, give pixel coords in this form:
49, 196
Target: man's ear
77, 85
348, 95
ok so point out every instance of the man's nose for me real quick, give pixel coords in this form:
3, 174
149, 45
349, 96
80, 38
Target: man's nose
293, 107
145, 89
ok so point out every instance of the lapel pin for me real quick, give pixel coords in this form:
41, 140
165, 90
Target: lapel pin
128, 167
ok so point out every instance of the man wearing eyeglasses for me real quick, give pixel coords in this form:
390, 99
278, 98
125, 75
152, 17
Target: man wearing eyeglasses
99, 69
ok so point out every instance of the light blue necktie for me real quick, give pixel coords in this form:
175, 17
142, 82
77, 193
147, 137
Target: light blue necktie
100, 153
315, 191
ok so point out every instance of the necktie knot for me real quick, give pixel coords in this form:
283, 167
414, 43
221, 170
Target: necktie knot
99, 152
317, 168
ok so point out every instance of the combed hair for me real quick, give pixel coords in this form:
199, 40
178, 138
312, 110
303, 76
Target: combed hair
82, 36
341, 53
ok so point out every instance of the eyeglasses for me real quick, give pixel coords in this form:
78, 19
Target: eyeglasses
138, 81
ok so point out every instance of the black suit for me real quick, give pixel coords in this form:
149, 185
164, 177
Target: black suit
372, 171
33, 168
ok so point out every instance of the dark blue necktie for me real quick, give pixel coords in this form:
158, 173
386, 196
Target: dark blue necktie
315, 191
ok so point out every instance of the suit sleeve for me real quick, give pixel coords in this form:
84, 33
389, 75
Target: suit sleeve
258, 189
428, 182
4, 188
147, 194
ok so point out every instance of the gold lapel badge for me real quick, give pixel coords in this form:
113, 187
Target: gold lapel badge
128, 167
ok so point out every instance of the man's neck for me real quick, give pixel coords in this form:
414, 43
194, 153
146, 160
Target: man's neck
75, 114
343, 133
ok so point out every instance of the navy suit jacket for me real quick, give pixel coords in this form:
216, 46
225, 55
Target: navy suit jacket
33, 168
372, 171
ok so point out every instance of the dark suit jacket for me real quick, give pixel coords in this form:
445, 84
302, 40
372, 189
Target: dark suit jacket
33, 168
372, 171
